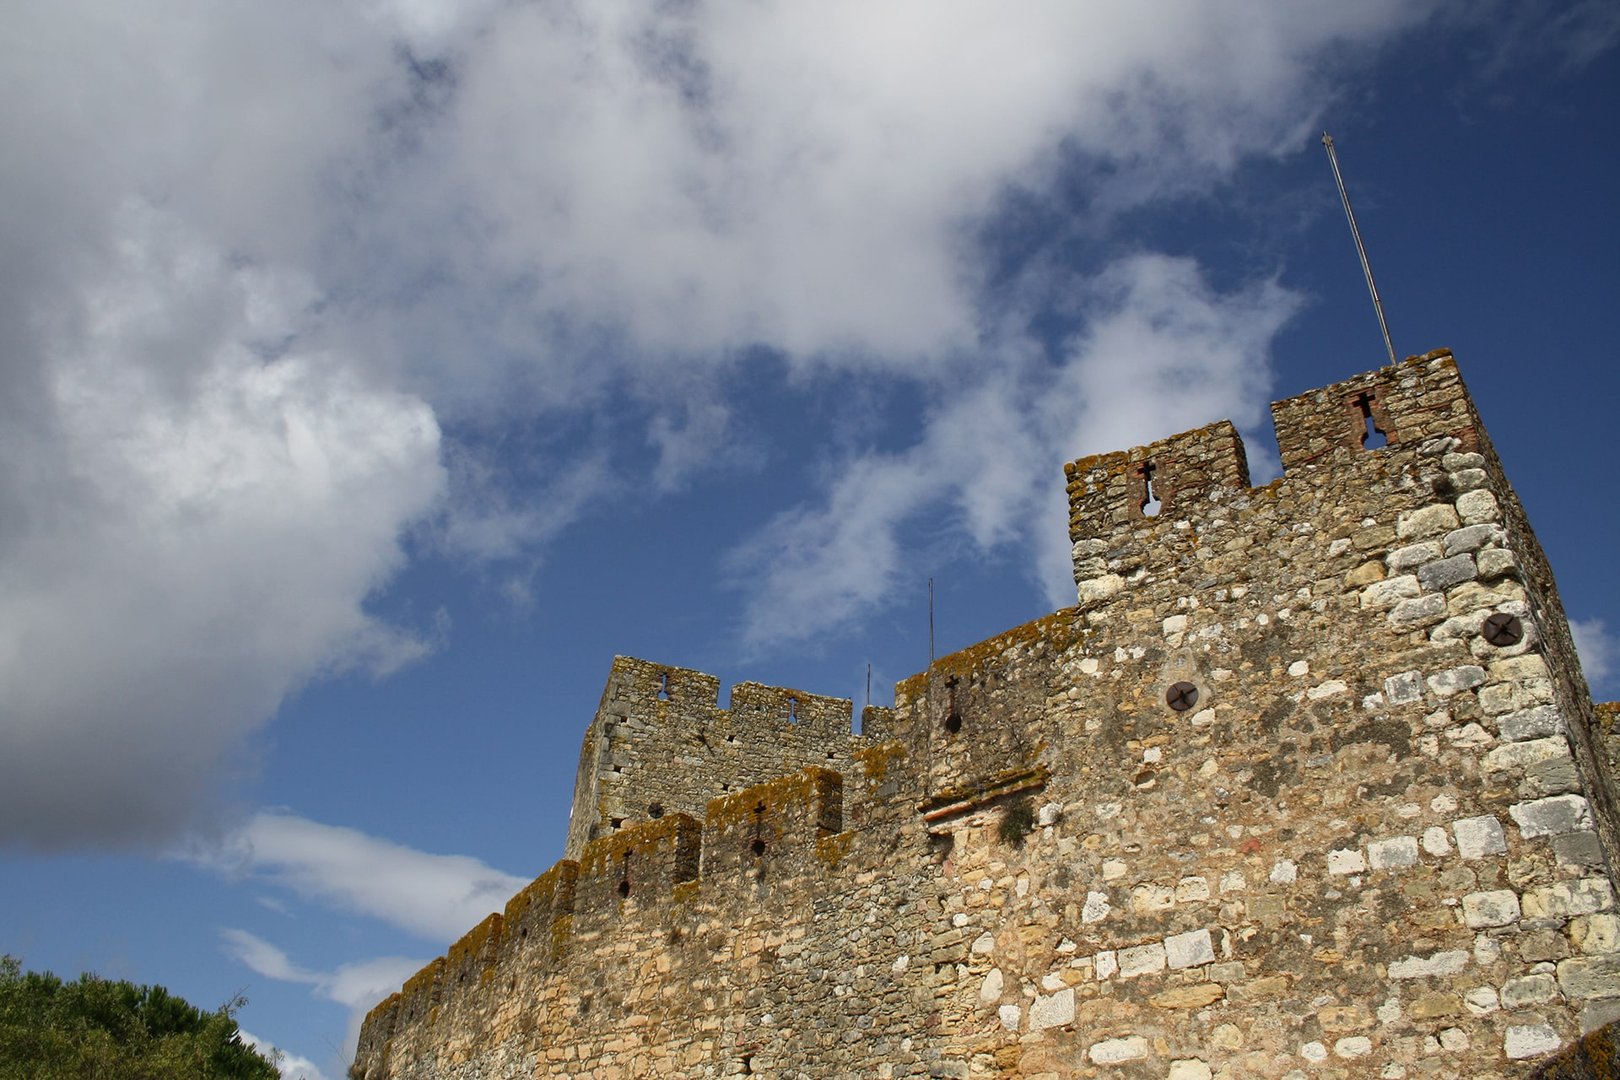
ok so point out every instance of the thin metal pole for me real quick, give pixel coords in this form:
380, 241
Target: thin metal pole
930, 622
1361, 250
868, 684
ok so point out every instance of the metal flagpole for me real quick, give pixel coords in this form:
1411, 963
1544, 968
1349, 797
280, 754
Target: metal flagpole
1361, 250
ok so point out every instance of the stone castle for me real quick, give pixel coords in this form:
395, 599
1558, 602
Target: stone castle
1307, 784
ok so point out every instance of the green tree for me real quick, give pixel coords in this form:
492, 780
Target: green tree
100, 1029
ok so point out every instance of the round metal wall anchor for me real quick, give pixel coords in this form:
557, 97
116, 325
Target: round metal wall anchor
1181, 696
1503, 629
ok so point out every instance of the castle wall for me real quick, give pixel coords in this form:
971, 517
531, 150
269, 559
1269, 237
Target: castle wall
1275, 799
660, 743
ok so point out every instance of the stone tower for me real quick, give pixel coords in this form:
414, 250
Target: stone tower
1307, 783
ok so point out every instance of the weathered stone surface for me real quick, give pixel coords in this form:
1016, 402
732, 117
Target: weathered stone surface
1114, 1051
1552, 816
1194, 996
1050, 1010
1590, 976
1443, 574
1479, 837
1497, 908
1189, 950
1529, 1040
1035, 865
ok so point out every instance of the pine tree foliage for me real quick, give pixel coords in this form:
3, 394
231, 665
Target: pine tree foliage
100, 1029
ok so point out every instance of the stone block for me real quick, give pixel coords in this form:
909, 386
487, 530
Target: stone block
1189, 950
1597, 933
1419, 612
1479, 837
1403, 689
1496, 563
1552, 816
1579, 850
1567, 899
1520, 755
1585, 977
1472, 538
1477, 506
1115, 1051
1442, 574
1141, 960
1496, 908
1052, 1010
1191, 996
1456, 680
1537, 723
1189, 1069
1412, 556
1522, 1041
1395, 853
1556, 777
1528, 990
1383, 595
1346, 861
1433, 520
1449, 962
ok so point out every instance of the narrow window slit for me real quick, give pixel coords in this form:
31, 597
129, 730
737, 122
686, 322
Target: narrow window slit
663, 687
1151, 503
1372, 436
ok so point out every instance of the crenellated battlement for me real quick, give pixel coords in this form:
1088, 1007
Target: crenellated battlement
1308, 777
660, 743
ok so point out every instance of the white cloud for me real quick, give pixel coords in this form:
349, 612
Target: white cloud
357, 986
1162, 351
437, 897
186, 541
1599, 649
255, 257
291, 1066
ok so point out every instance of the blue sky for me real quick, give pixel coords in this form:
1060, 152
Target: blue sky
375, 372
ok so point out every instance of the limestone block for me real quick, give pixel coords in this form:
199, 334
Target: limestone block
1598, 933
1383, 595
1590, 977
1566, 899
1403, 689
1189, 950
1494, 563
1443, 574
1519, 755
1472, 538
1426, 521
1412, 556
1552, 816
1418, 612
1456, 680
1536, 723
1141, 960
1393, 854
1529, 1040
1449, 962
1477, 506
1052, 1010
1346, 861
1114, 1051
1189, 1069
1478, 837
1496, 908
1527, 990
